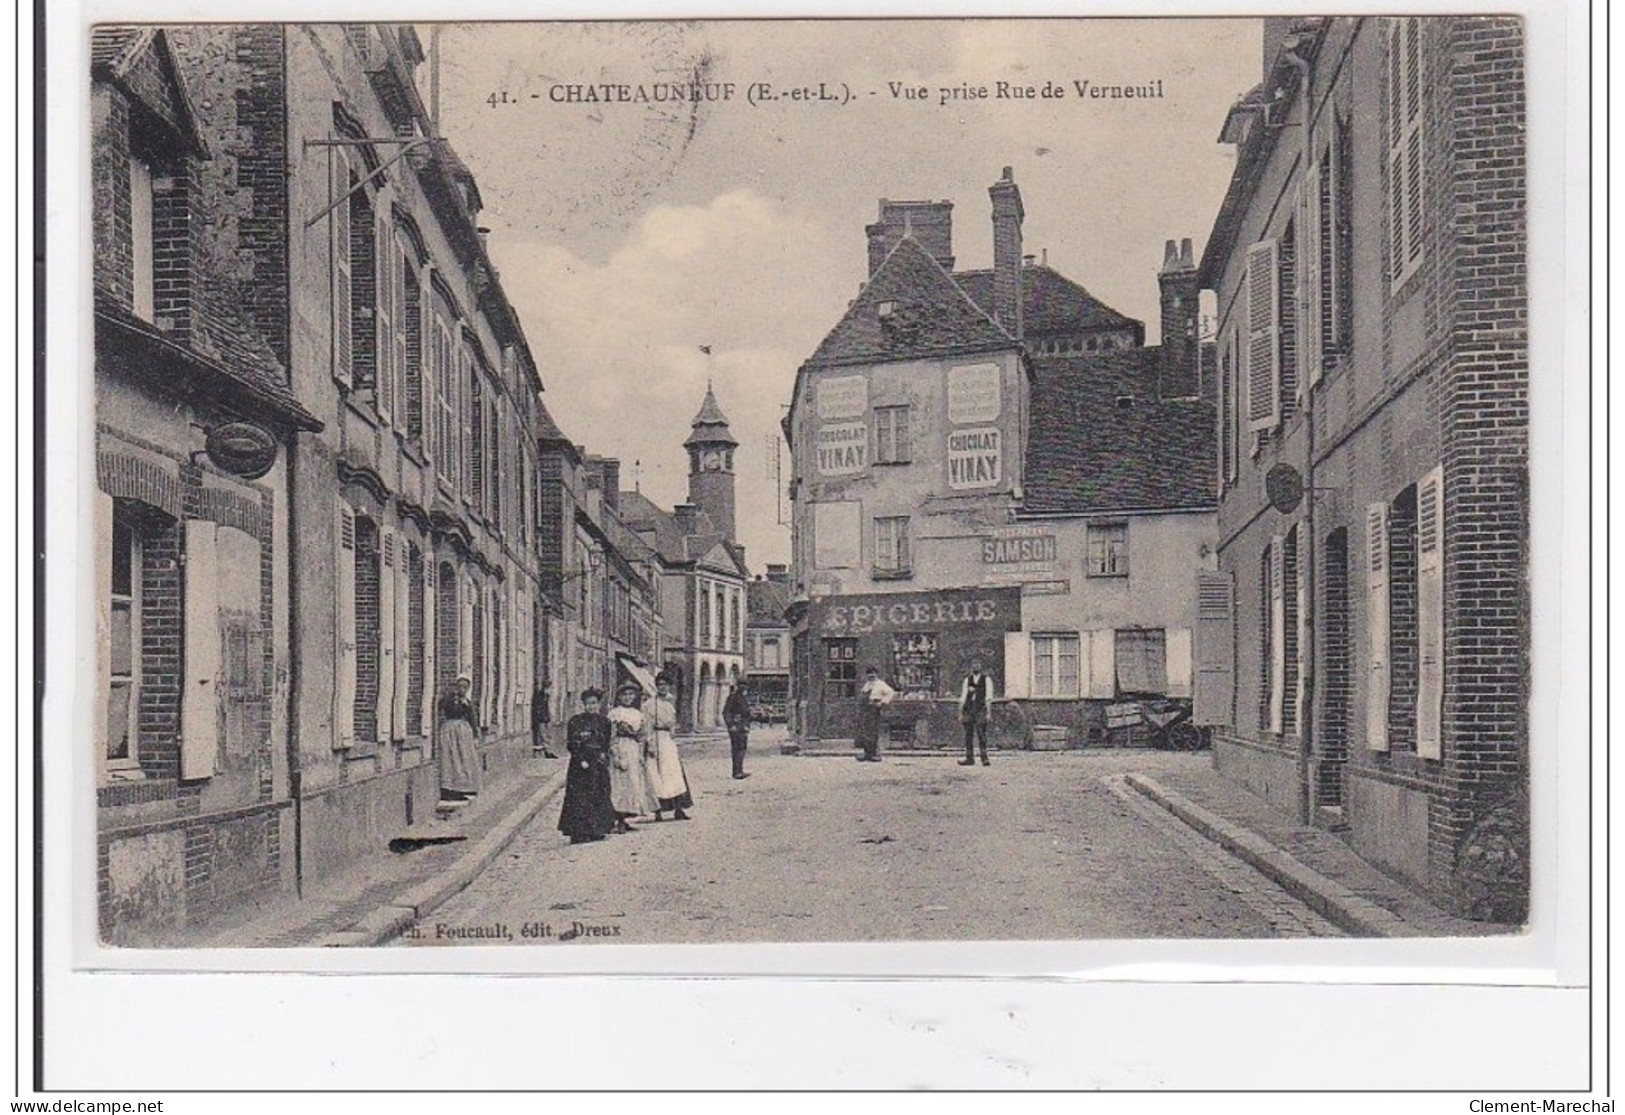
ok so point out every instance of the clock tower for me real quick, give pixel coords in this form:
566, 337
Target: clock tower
711, 464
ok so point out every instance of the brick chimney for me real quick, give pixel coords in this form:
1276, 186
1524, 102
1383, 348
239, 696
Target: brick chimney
1177, 373
930, 223
1007, 217
687, 516
604, 477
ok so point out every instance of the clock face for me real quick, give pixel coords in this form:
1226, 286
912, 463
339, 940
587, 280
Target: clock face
711, 459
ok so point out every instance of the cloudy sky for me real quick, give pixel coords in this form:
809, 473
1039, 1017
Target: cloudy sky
630, 234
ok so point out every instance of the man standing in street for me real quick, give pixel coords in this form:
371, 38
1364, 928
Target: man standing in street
540, 717
736, 714
975, 700
872, 701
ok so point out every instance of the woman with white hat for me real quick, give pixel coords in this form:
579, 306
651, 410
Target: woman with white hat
459, 743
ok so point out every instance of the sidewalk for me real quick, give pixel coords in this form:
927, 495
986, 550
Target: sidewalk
374, 899
1315, 866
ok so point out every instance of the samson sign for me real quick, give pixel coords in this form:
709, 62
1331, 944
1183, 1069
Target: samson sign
843, 448
992, 609
1018, 546
974, 457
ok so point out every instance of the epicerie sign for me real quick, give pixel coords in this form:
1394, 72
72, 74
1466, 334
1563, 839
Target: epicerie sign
973, 393
973, 458
842, 448
846, 397
901, 616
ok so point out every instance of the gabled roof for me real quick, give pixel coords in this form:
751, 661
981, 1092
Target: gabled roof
765, 603
661, 531
929, 315
141, 61
1051, 302
1101, 440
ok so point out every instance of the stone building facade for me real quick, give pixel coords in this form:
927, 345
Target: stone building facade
1368, 624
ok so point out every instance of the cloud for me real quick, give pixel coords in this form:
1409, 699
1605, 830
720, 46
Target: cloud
618, 342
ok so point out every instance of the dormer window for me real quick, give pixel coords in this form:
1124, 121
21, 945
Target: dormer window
886, 309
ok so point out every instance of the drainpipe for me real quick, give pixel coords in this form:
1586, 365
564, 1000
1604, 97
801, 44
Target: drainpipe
295, 672
1308, 793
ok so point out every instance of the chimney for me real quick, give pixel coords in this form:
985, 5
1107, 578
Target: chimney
604, 477
778, 574
930, 223
1007, 217
1177, 373
687, 515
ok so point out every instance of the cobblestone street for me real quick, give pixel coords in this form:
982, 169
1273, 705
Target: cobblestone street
1040, 845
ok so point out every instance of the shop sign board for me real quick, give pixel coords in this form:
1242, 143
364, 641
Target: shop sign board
974, 457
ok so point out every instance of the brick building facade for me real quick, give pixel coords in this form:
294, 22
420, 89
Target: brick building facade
1369, 622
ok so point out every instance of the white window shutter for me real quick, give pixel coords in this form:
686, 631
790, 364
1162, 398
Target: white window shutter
1377, 654
1430, 614
403, 635
1277, 606
344, 632
1102, 651
427, 699
465, 637
384, 704
339, 228
1263, 336
1311, 277
1299, 689
200, 704
104, 624
1177, 661
383, 317
1214, 650
1018, 664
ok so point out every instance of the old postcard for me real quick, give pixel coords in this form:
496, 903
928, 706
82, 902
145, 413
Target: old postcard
533, 461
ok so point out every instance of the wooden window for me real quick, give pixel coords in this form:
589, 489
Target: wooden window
344, 630
1430, 614
342, 181
1141, 656
386, 266
1405, 170
1263, 337
200, 703
1055, 664
120, 644
1108, 549
1214, 649
1377, 643
891, 544
1286, 303
891, 435
840, 670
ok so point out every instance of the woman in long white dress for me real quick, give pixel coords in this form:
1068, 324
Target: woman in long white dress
628, 789
662, 767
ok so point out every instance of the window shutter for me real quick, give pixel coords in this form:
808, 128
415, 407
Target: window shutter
1102, 651
383, 255
1177, 661
1312, 277
200, 705
1376, 697
1263, 337
339, 228
384, 706
344, 633
1299, 688
1215, 650
426, 706
1430, 614
104, 622
1277, 606
1018, 664
403, 635
465, 640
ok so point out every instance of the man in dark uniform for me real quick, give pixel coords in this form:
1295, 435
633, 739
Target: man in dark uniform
975, 701
736, 714
540, 717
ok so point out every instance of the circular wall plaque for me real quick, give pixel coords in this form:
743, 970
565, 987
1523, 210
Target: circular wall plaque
242, 448
1284, 486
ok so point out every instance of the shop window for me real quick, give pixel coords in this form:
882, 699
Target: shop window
891, 435
1141, 655
1108, 549
914, 664
840, 670
1055, 666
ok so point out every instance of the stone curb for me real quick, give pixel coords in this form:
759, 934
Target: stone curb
398, 914
1327, 897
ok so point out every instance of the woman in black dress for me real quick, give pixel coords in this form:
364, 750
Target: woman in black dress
588, 814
